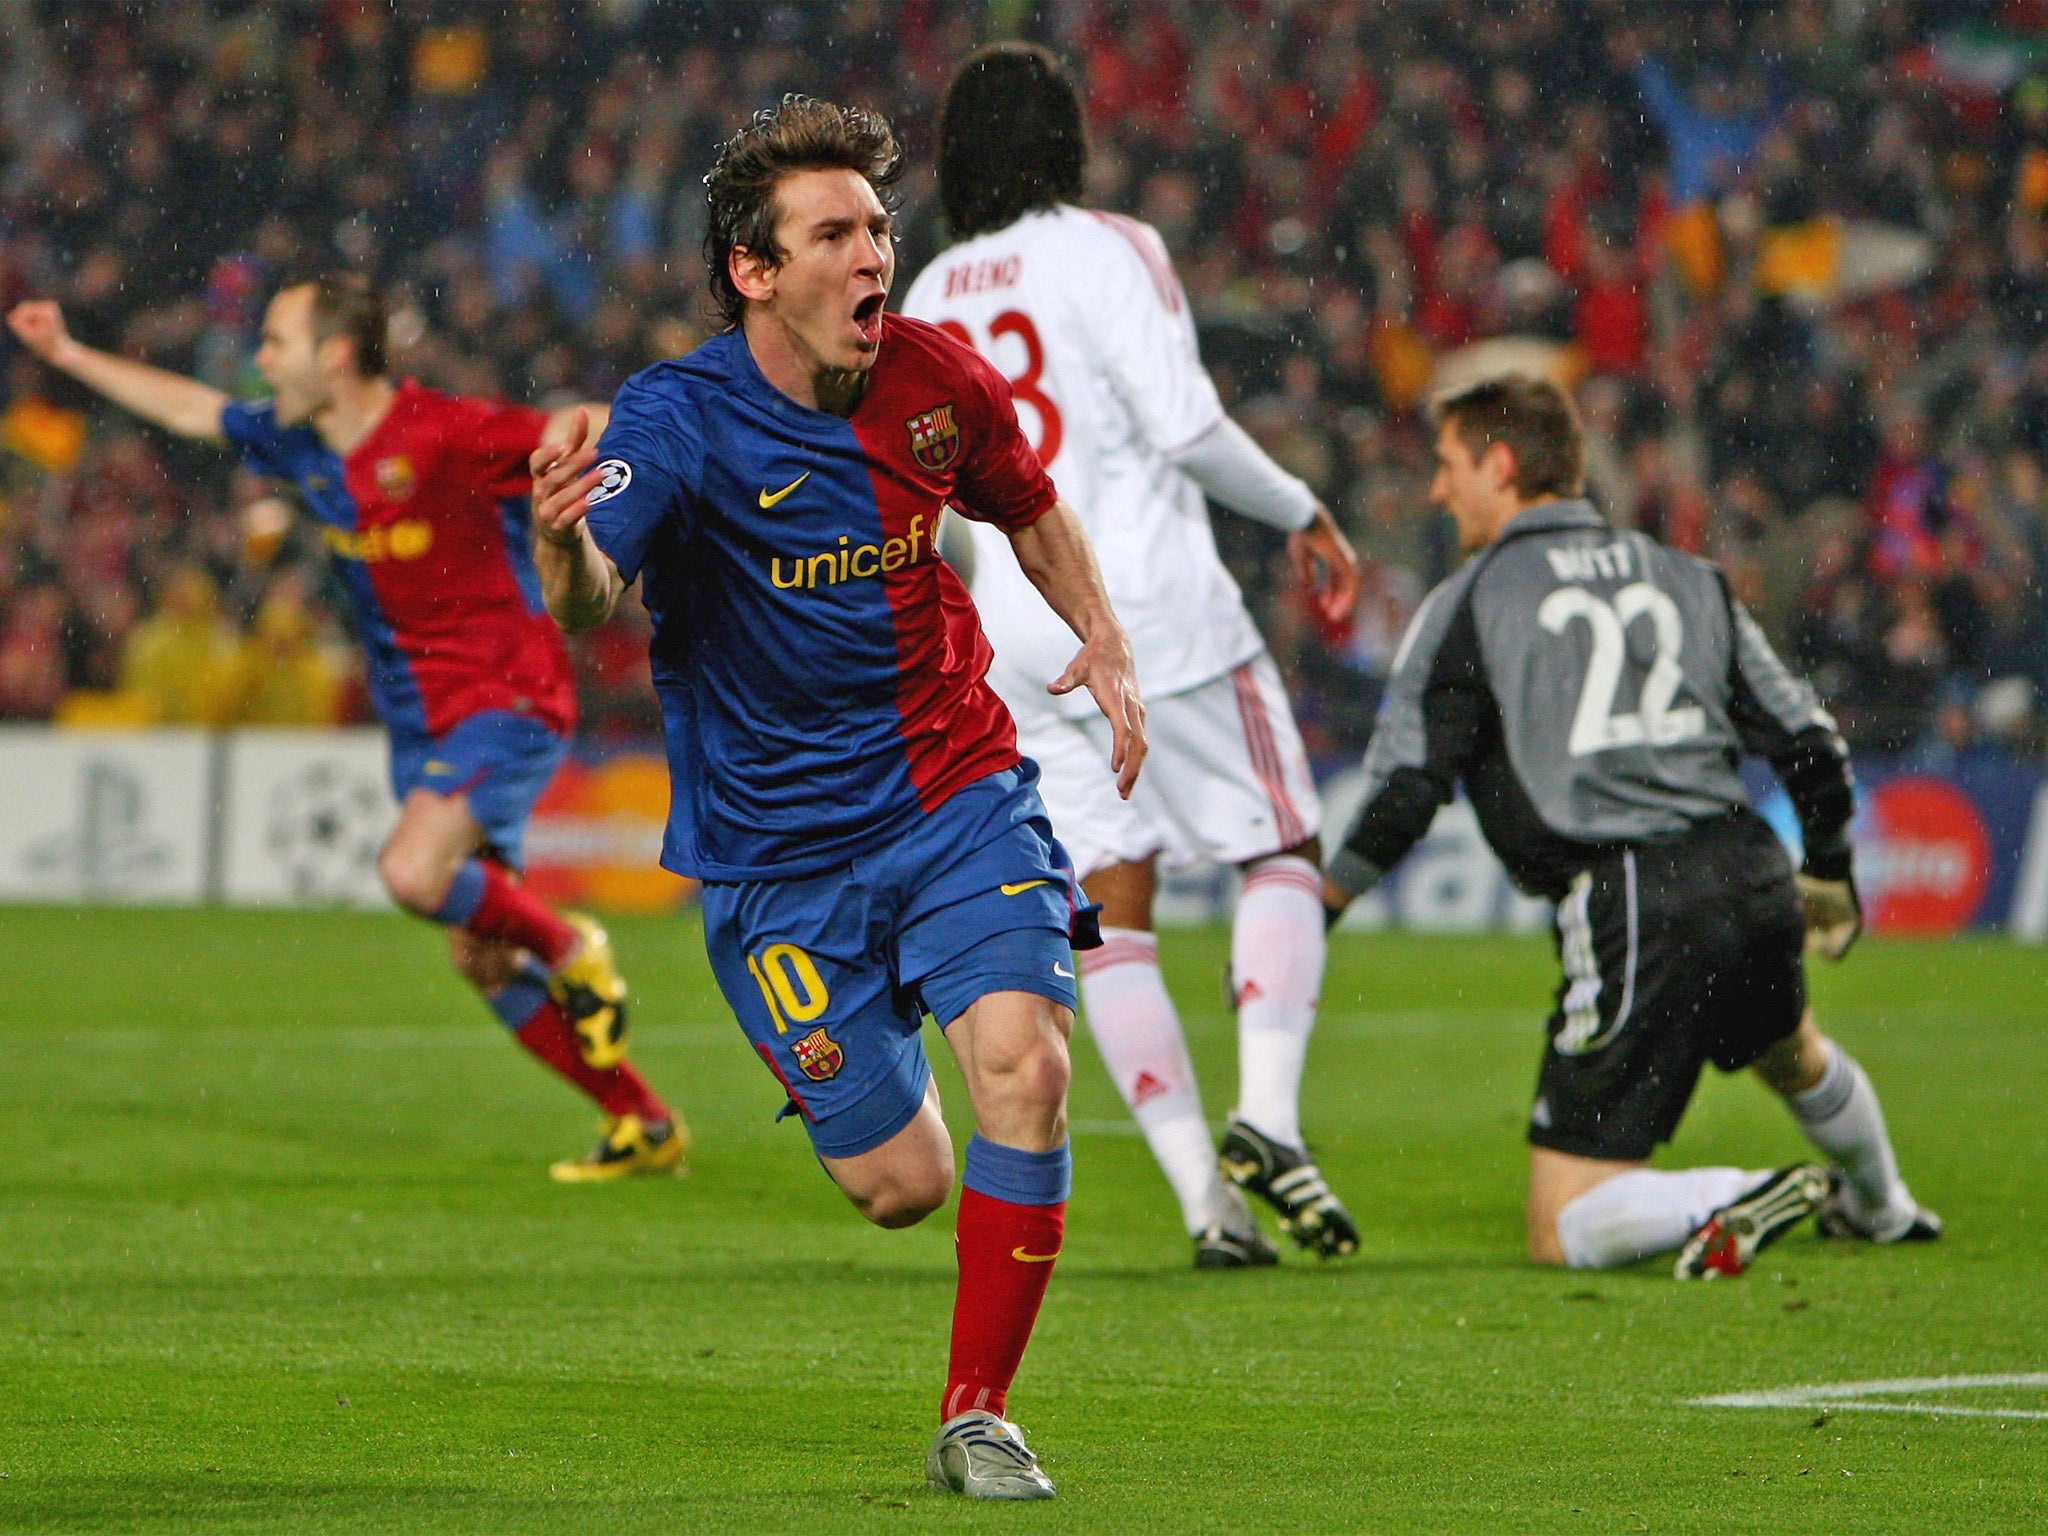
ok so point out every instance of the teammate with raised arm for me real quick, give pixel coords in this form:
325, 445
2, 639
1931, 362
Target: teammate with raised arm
1084, 313
845, 782
1593, 690
422, 500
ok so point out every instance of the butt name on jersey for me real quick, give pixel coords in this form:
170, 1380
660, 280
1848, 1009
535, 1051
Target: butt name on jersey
1590, 562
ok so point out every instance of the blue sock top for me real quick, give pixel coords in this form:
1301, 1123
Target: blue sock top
1016, 1176
465, 895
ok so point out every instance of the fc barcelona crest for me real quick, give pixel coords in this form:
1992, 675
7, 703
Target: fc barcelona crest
819, 1055
934, 439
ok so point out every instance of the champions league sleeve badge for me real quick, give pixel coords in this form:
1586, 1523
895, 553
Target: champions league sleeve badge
614, 476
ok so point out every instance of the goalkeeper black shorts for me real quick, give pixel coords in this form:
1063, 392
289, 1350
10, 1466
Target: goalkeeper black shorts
1675, 953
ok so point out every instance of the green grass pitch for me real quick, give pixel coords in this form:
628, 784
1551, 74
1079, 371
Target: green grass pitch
278, 1253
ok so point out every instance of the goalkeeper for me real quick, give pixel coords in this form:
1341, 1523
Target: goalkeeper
1593, 691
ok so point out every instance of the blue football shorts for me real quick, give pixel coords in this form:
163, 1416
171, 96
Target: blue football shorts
499, 760
830, 975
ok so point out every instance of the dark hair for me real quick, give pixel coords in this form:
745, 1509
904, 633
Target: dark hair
803, 134
349, 304
1010, 139
1537, 421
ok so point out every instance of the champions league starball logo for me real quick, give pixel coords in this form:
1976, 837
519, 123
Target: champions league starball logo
324, 827
614, 475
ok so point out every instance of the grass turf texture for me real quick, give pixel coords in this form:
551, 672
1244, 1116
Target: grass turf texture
278, 1253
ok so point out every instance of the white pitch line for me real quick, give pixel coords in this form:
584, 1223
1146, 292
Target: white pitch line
1935, 1408
1844, 1396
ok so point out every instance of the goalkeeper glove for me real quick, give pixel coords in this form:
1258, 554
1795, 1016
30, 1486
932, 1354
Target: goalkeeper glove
1834, 917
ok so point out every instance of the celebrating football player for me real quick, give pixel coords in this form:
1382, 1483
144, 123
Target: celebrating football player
846, 783
421, 498
1085, 314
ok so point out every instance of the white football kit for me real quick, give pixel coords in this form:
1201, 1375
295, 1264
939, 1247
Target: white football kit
1083, 313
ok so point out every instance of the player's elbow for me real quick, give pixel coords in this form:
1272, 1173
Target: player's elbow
570, 618
197, 417
574, 612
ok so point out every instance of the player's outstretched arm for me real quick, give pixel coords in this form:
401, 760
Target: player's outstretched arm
1236, 472
173, 402
1055, 553
577, 579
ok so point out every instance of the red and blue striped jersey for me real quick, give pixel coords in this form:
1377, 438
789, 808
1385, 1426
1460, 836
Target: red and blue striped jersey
428, 522
821, 670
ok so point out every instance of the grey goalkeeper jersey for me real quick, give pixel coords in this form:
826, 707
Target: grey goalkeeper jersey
1592, 689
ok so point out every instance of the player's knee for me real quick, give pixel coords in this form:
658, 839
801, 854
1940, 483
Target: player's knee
416, 884
1544, 1247
1796, 1062
907, 1200
1311, 851
1026, 1062
1043, 1072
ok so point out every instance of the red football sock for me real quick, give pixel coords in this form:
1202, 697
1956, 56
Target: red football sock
508, 913
618, 1090
1006, 1253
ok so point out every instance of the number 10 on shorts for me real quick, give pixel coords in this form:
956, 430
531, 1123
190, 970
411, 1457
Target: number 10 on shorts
790, 985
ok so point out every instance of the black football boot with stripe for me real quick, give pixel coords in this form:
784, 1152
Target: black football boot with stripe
1728, 1242
1838, 1216
1233, 1240
1285, 1179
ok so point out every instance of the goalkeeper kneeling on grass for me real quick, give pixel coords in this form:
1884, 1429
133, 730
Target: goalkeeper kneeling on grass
1593, 691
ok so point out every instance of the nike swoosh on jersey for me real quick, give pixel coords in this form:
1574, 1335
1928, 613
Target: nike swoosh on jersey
1061, 970
768, 501
1019, 890
1022, 1257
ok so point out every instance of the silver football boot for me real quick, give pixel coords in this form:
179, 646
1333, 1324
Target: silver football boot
984, 1457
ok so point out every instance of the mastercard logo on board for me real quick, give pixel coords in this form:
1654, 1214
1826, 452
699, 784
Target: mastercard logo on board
1923, 857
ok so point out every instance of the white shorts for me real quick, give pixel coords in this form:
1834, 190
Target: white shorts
1226, 779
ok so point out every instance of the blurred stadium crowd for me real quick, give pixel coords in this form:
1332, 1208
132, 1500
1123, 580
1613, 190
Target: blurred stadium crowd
1793, 255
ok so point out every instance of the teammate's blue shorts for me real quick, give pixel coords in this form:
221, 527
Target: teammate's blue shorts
500, 760
831, 974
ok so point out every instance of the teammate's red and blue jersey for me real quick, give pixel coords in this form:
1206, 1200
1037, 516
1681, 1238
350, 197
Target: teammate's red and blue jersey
822, 672
428, 521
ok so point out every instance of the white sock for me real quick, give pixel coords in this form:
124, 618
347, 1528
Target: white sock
1840, 1115
1645, 1211
1277, 947
1139, 1035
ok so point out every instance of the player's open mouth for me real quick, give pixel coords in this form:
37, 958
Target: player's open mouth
867, 318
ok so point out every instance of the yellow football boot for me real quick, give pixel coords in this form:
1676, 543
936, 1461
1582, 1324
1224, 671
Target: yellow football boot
628, 1147
593, 994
